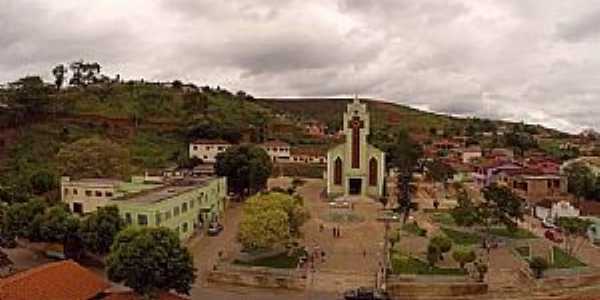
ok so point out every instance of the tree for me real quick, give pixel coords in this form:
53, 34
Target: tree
440, 172
30, 94
94, 157
99, 229
463, 257
84, 73
56, 224
501, 206
538, 265
247, 168
465, 212
18, 218
150, 260
581, 181
59, 73
43, 181
270, 220
482, 269
403, 155
443, 243
575, 232
433, 254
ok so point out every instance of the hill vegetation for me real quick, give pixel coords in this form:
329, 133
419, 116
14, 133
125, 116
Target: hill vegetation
151, 123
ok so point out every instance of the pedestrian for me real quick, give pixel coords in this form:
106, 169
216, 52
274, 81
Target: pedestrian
334, 234
339, 233
364, 253
321, 227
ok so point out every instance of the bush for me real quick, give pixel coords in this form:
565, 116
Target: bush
441, 242
538, 265
414, 229
463, 257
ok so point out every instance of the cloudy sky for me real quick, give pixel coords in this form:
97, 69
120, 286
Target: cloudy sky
531, 60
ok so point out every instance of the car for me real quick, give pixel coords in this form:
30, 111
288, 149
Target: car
366, 293
553, 236
214, 229
548, 225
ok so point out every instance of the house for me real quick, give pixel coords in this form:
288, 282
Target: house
308, 155
207, 150
535, 188
470, 153
182, 205
548, 209
501, 153
65, 280
315, 128
278, 151
489, 171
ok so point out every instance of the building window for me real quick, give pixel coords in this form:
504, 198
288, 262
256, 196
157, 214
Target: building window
142, 220
66, 192
74, 191
108, 194
373, 171
337, 173
205, 157
98, 193
158, 219
184, 207
77, 208
220, 148
176, 211
167, 215
88, 193
128, 218
191, 203
195, 148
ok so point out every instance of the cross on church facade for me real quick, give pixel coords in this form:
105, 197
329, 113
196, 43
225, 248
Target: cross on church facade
356, 124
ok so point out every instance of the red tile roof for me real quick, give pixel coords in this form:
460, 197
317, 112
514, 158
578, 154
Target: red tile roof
134, 296
64, 280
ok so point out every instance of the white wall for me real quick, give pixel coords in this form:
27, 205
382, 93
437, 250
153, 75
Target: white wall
207, 152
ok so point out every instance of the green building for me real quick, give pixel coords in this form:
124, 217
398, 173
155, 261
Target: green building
184, 207
355, 167
184, 204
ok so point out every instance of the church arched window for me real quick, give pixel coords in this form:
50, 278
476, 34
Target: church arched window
373, 171
337, 173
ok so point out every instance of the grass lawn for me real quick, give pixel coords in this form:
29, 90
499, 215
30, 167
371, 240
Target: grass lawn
519, 233
562, 260
461, 238
413, 228
411, 265
281, 261
443, 218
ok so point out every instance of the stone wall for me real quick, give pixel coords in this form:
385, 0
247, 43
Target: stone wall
258, 277
571, 281
422, 289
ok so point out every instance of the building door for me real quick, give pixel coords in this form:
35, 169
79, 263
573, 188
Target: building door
354, 186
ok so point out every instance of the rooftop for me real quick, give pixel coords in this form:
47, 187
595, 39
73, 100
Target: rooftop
64, 280
162, 192
210, 142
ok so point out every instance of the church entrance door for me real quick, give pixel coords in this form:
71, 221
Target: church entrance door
354, 186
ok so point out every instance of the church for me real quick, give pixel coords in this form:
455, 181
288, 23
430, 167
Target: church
355, 167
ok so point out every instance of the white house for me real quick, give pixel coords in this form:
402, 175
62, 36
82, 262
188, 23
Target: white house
207, 150
277, 150
470, 153
547, 210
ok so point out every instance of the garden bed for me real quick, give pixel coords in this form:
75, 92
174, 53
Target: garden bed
461, 237
411, 265
278, 261
562, 260
518, 233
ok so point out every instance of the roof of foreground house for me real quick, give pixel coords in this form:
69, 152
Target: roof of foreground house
64, 280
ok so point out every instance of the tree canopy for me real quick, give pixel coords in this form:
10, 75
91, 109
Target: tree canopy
500, 206
247, 168
99, 229
270, 220
94, 157
150, 260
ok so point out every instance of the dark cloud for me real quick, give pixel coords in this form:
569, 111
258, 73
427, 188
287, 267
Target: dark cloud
580, 28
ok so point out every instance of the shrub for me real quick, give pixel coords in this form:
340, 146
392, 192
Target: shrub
538, 265
463, 257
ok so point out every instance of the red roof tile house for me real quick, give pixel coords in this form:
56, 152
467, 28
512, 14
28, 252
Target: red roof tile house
64, 280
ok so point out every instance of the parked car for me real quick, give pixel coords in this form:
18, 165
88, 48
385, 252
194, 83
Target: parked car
214, 229
366, 293
548, 225
553, 236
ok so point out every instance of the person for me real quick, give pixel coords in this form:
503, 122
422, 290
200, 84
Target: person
364, 252
321, 227
334, 233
